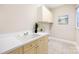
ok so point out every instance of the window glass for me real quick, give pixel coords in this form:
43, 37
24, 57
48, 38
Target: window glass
77, 17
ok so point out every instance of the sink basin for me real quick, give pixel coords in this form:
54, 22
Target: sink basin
28, 36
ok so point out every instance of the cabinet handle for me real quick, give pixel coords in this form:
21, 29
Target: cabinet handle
31, 45
36, 46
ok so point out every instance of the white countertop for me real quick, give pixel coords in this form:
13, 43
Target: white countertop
10, 41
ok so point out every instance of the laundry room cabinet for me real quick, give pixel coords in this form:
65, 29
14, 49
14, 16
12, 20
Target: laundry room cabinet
39, 46
44, 15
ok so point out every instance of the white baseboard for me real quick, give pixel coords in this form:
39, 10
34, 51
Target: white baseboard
63, 40
77, 46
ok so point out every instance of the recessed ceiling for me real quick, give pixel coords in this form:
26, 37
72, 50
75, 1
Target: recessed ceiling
51, 6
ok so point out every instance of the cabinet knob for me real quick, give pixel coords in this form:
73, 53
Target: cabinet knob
37, 46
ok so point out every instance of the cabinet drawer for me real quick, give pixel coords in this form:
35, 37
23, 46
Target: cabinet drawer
45, 39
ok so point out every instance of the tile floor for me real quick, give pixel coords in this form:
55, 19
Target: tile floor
58, 47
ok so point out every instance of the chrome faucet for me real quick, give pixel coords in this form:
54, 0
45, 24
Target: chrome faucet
26, 33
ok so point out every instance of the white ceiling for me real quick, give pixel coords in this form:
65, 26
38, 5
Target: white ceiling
51, 6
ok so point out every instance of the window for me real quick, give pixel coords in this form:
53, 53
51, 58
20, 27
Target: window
77, 18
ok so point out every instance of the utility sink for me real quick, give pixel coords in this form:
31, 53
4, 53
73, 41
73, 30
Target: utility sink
24, 36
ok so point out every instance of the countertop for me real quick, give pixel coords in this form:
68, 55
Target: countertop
10, 41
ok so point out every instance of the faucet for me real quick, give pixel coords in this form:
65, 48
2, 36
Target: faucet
26, 33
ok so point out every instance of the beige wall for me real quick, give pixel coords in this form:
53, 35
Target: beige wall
66, 32
22, 17
17, 17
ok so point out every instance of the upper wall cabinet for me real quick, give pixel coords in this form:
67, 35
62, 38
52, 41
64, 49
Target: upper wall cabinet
44, 15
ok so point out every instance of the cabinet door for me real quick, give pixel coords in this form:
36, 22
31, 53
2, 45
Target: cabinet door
30, 48
17, 51
30, 51
46, 15
42, 45
39, 14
